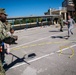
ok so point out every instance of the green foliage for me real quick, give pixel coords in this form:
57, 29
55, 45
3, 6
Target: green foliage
29, 20
39, 19
16, 21
23, 20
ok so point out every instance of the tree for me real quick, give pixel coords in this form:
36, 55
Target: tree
40, 19
23, 21
16, 21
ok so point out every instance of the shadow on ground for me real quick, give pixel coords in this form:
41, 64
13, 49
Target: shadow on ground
18, 60
61, 37
54, 31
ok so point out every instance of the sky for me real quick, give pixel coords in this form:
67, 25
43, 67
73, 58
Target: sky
16, 8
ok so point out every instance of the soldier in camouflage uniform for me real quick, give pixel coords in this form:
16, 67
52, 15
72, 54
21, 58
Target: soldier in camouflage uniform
3, 35
60, 21
2, 71
8, 26
10, 32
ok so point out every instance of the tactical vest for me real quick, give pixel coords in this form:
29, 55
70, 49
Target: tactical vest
3, 33
2, 36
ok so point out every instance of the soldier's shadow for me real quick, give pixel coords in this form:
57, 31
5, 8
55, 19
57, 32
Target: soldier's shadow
18, 60
61, 37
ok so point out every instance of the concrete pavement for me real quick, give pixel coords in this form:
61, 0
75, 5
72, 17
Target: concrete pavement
45, 42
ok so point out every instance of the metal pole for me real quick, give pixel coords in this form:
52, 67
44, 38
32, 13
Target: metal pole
20, 23
37, 22
26, 25
46, 21
12, 23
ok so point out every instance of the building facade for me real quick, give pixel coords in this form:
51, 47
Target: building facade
66, 9
70, 7
61, 11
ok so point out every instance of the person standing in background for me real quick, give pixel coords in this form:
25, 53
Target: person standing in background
60, 21
70, 24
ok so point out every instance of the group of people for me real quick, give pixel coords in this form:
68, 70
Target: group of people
70, 24
6, 37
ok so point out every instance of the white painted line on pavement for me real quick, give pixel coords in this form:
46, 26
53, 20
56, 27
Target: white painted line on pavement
41, 57
36, 40
67, 48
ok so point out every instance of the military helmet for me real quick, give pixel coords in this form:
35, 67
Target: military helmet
2, 11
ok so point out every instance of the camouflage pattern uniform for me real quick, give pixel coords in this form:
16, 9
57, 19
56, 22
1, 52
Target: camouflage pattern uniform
3, 35
2, 71
60, 21
8, 27
12, 38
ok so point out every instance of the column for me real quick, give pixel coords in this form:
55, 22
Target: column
46, 22
60, 13
12, 23
20, 23
65, 16
37, 22
26, 25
